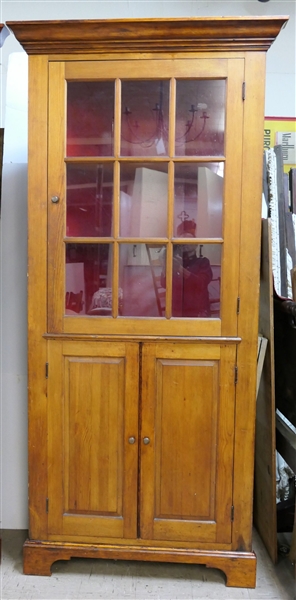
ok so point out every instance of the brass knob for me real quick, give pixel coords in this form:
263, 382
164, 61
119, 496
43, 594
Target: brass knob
146, 440
131, 440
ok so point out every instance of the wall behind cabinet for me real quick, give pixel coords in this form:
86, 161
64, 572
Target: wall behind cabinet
280, 101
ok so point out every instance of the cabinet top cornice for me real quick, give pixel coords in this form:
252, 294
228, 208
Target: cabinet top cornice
148, 35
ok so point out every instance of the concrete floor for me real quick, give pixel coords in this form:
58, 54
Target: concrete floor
83, 579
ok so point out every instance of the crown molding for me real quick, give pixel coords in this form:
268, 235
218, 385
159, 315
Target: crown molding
148, 35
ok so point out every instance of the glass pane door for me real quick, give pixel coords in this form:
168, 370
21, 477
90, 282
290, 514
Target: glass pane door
142, 181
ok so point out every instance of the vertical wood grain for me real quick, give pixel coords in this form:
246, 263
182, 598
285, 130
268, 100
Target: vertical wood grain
117, 118
55, 434
131, 451
249, 293
114, 247
56, 187
93, 420
186, 419
37, 295
116, 199
232, 196
265, 517
169, 247
226, 437
171, 196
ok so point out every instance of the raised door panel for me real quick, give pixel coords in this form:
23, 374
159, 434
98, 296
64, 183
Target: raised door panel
92, 404
186, 468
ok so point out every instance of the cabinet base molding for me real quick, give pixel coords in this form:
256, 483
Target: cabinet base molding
239, 567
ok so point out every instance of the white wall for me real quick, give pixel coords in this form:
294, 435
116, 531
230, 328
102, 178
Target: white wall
280, 101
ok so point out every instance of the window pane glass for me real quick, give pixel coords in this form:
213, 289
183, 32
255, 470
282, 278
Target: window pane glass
89, 200
198, 199
200, 117
88, 279
90, 118
142, 280
144, 120
143, 200
196, 280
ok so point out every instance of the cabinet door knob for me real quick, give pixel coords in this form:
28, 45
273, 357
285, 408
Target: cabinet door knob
55, 199
131, 440
146, 440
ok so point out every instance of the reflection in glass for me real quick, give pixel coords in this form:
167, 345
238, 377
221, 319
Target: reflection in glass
143, 200
200, 117
89, 200
144, 120
198, 198
141, 271
196, 280
90, 118
88, 279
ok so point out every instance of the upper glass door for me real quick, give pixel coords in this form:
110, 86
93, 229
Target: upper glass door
146, 170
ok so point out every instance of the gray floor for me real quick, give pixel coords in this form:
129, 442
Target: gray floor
84, 579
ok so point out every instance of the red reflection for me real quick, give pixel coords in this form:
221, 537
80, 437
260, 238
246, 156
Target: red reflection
196, 281
191, 277
89, 200
88, 275
90, 117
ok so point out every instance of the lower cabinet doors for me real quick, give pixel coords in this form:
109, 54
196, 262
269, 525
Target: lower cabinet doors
140, 441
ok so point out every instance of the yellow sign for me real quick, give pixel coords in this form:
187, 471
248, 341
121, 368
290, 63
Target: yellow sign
282, 131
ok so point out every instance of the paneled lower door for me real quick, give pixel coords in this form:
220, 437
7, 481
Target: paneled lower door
188, 417
93, 416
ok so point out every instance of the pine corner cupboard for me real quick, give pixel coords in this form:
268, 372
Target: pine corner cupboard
145, 162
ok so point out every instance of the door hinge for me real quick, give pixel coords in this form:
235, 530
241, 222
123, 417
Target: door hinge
47, 505
238, 306
232, 513
140, 368
46, 370
244, 90
235, 374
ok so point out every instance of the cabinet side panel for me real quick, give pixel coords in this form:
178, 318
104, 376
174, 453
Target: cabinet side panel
249, 295
37, 294
265, 508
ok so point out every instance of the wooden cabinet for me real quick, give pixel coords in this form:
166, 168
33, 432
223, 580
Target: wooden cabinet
182, 429
145, 158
